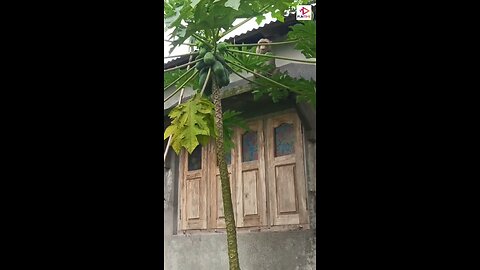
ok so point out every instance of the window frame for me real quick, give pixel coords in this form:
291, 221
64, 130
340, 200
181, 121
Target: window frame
208, 153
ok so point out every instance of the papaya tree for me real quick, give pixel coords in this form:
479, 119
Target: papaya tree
201, 24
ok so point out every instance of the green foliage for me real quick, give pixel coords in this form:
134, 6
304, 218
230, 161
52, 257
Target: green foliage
171, 76
200, 16
204, 19
192, 123
305, 89
175, 12
252, 62
189, 17
306, 33
231, 119
235, 4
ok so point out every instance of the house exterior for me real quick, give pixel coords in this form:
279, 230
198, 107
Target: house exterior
272, 174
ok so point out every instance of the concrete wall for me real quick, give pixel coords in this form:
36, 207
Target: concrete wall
292, 250
275, 251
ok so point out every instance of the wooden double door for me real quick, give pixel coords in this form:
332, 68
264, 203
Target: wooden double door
266, 173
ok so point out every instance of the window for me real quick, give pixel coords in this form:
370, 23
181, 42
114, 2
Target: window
267, 178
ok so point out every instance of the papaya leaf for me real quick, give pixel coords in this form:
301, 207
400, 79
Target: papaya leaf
192, 123
235, 4
194, 3
305, 90
306, 33
189, 17
259, 19
252, 62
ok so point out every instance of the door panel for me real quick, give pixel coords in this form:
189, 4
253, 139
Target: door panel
285, 171
193, 186
251, 189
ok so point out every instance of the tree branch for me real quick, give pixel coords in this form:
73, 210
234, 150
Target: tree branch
186, 44
241, 76
180, 66
206, 81
202, 40
173, 56
177, 79
256, 44
181, 86
274, 56
261, 76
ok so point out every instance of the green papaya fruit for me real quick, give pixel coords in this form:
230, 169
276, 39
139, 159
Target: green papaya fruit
222, 60
227, 76
209, 59
219, 72
217, 68
202, 76
222, 47
202, 52
200, 65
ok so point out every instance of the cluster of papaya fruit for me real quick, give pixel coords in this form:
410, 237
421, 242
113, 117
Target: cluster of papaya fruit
216, 62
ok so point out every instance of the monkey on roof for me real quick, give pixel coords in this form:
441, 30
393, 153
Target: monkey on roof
263, 49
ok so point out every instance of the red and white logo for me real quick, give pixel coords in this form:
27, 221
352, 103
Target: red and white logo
304, 12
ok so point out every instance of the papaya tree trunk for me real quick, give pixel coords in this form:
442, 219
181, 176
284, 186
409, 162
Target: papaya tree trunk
226, 194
